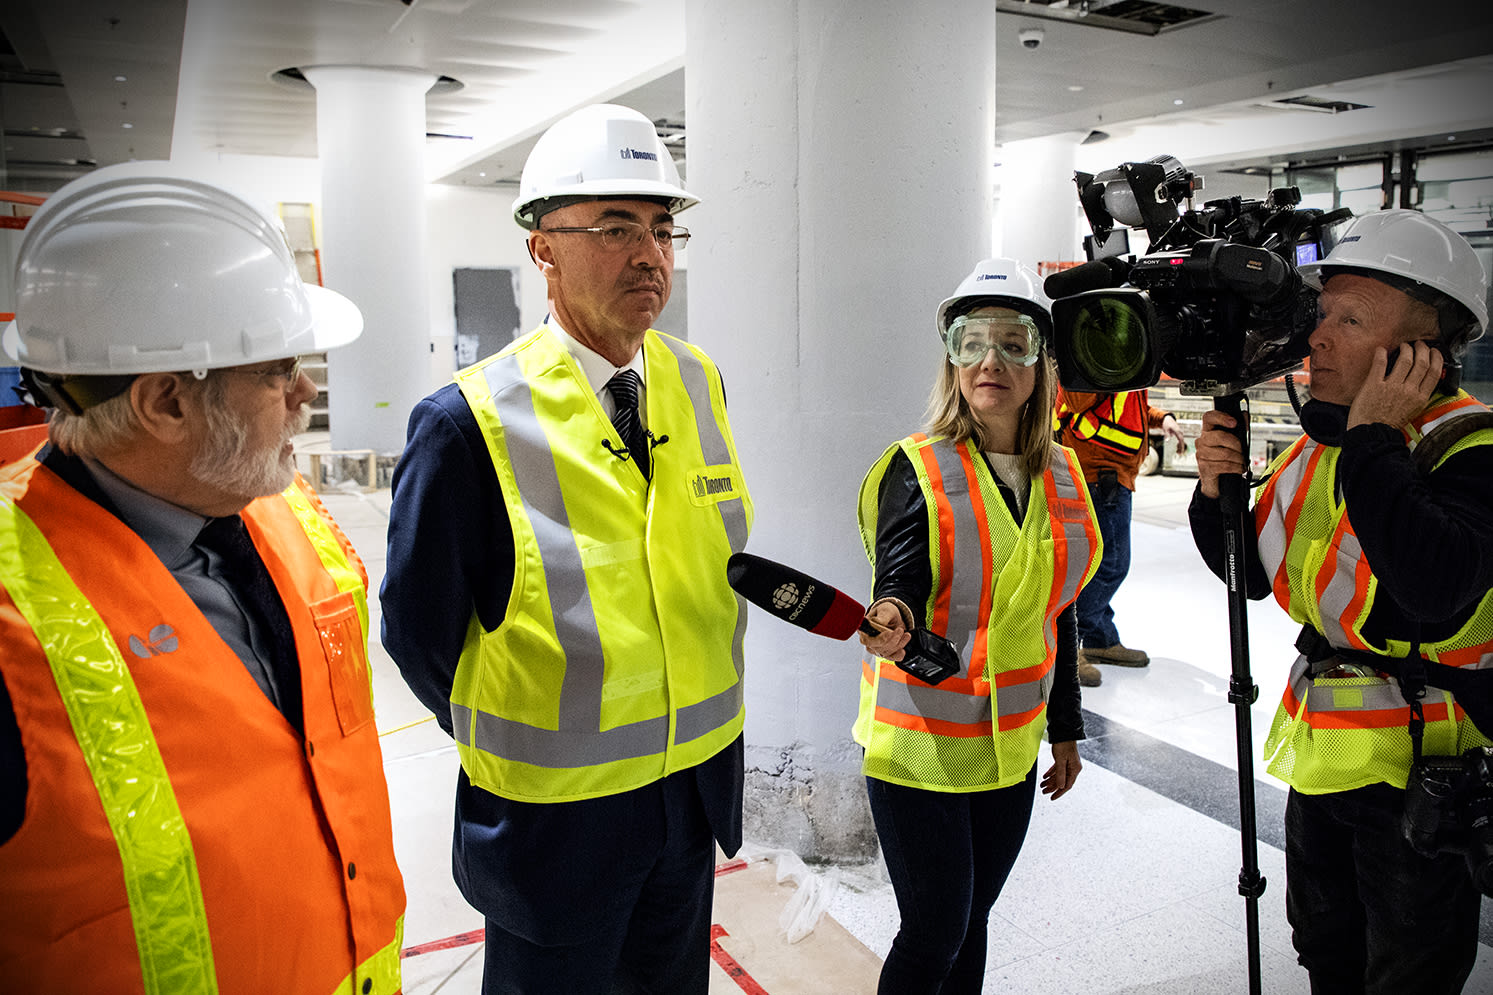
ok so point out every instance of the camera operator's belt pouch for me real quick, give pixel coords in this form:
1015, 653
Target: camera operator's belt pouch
1473, 689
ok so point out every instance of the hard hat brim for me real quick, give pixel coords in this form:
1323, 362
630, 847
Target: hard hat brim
10, 342
335, 320
608, 189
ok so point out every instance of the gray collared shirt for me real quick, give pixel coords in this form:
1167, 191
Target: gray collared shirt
171, 533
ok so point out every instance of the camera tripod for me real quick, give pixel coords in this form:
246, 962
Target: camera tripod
1234, 502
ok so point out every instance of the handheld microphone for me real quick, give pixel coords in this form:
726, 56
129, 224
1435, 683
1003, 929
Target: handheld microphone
1109, 271
796, 597
813, 605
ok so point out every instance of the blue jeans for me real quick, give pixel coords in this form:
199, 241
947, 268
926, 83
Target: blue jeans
1370, 916
1096, 619
948, 855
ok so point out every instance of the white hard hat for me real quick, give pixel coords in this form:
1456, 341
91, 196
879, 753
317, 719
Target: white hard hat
1006, 283
604, 150
144, 267
1411, 246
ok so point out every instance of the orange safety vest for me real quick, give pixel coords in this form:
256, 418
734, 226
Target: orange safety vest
1334, 734
198, 844
1117, 422
998, 589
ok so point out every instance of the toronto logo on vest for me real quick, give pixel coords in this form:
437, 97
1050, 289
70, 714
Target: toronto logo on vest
713, 486
162, 639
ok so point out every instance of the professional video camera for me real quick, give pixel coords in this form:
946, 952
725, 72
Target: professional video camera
1216, 302
1449, 809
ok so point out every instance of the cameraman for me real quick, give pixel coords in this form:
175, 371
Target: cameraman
1382, 560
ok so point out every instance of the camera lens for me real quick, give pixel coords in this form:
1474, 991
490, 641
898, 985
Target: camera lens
1110, 343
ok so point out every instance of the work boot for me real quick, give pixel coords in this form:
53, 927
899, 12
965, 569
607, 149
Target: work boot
1119, 656
1088, 674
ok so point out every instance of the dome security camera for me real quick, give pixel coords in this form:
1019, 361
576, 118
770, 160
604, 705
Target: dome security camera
1030, 37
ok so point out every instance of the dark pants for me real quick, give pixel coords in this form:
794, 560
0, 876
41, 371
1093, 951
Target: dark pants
1370, 916
948, 855
1096, 619
608, 895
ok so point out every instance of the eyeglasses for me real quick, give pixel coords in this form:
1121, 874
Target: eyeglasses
626, 234
287, 371
1015, 340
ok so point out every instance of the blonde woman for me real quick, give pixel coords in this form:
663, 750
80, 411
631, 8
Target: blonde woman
982, 531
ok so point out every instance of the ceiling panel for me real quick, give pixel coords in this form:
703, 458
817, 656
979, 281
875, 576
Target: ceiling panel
199, 73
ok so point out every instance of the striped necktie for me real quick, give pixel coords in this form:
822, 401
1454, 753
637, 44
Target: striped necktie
624, 387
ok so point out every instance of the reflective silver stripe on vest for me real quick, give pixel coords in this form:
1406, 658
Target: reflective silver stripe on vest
1075, 533
579, 741
1437, 422
1374, 697
967, 573
1272, 538
932, 703
564, 575
1340, 589
1018, 699
557, 749
706, 716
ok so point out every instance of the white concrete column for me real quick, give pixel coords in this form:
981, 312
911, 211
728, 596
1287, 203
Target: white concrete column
370, 132
843, 153
1039, 219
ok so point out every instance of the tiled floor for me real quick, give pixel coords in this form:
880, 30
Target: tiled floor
1126, 885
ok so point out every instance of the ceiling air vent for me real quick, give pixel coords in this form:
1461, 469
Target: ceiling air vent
1135, 16
1318, 104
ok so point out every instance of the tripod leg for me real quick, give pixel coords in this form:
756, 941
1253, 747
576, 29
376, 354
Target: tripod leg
1234, 501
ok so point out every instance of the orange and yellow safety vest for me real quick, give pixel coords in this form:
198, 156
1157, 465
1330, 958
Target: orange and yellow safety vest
998, 588
179, 835
1335, 734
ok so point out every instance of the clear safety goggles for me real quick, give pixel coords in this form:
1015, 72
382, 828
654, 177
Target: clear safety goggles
1014, 338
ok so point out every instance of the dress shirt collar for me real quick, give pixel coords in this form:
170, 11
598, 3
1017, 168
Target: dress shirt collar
597, 368
168, 529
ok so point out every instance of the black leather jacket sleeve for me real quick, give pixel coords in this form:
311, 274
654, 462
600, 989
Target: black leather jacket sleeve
904, 571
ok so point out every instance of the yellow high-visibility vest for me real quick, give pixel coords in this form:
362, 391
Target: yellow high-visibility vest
619, 659
1335, 734
998, 589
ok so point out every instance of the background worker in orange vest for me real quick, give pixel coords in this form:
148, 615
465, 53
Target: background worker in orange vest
1375, 531
1111, 435
951, 771
192, 795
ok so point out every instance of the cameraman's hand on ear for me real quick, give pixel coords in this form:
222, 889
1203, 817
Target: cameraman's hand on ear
1218, 451
1394, 397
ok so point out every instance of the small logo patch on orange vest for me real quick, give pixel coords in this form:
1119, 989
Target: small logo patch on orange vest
162, 639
